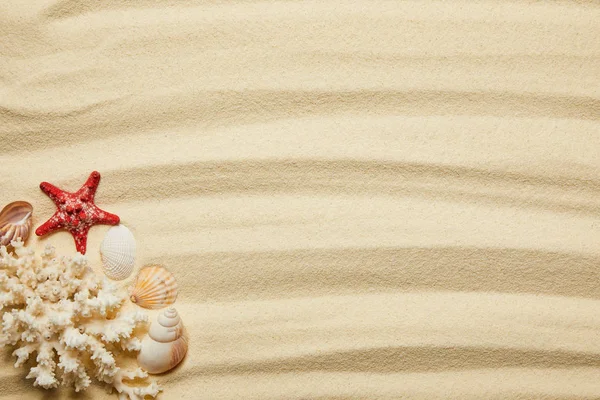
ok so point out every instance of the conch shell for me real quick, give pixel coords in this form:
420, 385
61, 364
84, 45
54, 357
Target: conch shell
118, 252
155, 287
15, 222
166, 343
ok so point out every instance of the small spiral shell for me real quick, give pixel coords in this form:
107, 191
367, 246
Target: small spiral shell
166, 344
154, 288
15, 222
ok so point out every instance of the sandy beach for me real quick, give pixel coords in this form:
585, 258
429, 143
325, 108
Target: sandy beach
360, 199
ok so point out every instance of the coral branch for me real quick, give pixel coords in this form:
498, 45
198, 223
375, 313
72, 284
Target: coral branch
127, 392
59, 310
116, 329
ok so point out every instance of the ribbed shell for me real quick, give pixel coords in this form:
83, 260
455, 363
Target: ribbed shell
15, 222
154, 288
166, 344
118, 252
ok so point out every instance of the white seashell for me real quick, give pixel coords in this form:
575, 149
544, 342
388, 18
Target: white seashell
15, 222
155, 287
166, 343
118, 252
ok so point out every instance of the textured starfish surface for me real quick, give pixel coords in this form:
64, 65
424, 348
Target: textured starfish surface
76, 212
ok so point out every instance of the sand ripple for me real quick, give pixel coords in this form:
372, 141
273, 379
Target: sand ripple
361, 200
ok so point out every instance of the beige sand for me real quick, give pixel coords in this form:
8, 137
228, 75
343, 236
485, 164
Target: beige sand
361, 199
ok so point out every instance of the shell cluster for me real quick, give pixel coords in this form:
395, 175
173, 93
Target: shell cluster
155, 287
118, 253
166, 344
15, 222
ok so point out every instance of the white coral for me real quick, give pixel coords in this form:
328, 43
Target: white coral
58, 309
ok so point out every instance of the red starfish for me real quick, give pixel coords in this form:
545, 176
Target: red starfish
76, 212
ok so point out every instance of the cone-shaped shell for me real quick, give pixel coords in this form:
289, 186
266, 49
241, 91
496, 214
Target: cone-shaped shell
155, 287
15, 222
118, 253
166, 344
168, 327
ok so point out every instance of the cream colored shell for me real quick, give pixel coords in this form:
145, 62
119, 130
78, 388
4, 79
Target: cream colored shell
166, 344
15, 222
118, 252
155, 287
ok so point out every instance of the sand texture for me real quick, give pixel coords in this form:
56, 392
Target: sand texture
360, 199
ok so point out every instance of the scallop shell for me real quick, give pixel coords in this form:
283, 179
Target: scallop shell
155, 287
166, 344
118, 253
15, 222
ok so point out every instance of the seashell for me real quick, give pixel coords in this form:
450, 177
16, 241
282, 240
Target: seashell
166, 343
15, 222
155, 287
118, 253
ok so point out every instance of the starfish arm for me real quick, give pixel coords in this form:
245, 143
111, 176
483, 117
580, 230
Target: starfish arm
90, 186
80, 236
54, 223
56, 195
107, 218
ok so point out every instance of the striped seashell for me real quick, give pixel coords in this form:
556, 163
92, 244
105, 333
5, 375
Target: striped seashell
118, 253
166, 344
154, 288
15, 222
